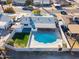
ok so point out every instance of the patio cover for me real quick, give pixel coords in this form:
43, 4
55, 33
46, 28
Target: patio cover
45, 25
44, 22
74, 28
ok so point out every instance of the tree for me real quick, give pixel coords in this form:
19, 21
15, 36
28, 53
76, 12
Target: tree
29, 2
9, 10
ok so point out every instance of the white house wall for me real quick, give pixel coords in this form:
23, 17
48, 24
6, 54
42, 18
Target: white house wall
34, 1
20, 1
42, 1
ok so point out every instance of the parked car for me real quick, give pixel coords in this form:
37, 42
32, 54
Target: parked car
58, 7
63, 12
76, 20
28, 8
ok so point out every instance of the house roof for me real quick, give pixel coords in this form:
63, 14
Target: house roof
74, 28
39, 22
5, 21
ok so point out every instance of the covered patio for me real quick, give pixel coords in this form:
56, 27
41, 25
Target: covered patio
44, 22
50, 26
74, 36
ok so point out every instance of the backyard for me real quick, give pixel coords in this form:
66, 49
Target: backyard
20, 40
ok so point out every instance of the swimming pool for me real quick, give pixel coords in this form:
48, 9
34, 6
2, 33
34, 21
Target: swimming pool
45, 37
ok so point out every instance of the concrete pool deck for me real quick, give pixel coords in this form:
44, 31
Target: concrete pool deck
36, 44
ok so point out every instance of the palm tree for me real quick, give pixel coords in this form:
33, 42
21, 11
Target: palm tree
2, 6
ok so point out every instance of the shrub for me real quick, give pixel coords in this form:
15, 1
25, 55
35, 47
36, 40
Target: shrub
8, 1
36, 12
28, 2
11, 42
9, 10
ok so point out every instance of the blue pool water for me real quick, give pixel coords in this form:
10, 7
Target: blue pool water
45, 37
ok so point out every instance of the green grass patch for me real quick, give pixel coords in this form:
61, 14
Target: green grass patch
21, 39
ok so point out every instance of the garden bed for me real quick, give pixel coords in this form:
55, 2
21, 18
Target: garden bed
19, 40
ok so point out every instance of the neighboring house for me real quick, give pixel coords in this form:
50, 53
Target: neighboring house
42, 1
3, 0
55, 1
5, 22
60, 1
21, 2
76, 1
